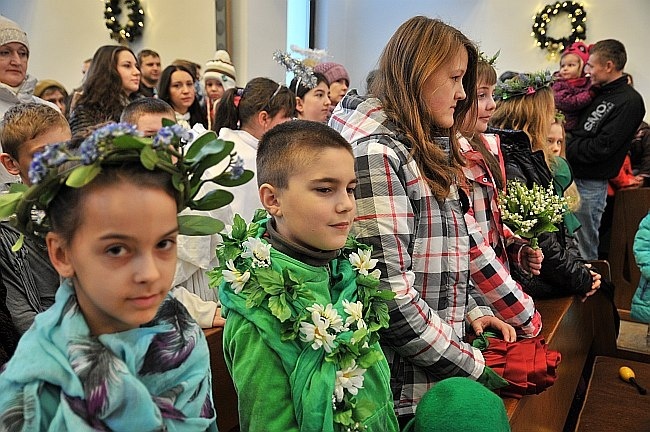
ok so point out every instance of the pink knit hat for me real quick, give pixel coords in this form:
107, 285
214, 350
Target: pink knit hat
333, 72
580, 49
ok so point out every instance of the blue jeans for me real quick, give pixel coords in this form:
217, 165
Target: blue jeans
593, 196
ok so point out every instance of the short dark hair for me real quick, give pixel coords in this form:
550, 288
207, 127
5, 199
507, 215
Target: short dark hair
289, 146
610, 50
146, 53
135, 109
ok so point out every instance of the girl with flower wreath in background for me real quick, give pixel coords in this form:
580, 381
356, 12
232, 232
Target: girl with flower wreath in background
486, 177
116, 351
300, 297
524, 114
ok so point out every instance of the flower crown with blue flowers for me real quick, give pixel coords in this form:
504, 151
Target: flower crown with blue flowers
117, 144
523, 84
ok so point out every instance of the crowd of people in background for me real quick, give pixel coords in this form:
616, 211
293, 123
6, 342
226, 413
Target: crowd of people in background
411, 168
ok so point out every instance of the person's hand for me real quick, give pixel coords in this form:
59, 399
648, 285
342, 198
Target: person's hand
595, 283
531, 260
218, 321
480, 324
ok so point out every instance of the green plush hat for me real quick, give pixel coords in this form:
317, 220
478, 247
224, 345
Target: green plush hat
459, 404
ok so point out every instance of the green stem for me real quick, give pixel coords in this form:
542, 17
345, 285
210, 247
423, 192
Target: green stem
534, 243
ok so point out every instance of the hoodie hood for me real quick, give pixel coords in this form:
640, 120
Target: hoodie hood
357, 117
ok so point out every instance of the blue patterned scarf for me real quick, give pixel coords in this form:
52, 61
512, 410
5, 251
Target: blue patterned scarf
152, 378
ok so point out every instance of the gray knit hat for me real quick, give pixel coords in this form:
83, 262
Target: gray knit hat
11, 32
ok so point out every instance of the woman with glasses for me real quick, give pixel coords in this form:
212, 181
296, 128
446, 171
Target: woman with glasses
242, 116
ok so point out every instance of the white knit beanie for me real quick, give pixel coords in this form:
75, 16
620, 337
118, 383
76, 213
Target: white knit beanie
11, 32
222, 69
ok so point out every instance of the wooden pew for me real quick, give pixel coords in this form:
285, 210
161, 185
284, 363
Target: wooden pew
579, 331
223, 390
629, 208
612, 405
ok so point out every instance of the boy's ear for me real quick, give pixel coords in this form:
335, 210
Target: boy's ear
59, 254
270, 199
9, 163
300, 107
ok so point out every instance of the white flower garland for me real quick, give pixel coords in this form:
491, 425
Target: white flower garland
247, 259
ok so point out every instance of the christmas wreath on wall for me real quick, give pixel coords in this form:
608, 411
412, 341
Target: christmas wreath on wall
134, 25
575, 13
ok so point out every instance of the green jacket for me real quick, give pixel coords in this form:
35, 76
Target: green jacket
269, 373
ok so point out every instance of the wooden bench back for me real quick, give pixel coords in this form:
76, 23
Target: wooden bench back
629, 208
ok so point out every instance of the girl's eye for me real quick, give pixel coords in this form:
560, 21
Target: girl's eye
116, 251
323, 190
166, 244
351, 190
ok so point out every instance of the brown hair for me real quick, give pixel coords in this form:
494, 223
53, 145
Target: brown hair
612, 50
260, 94
136, 109
486, 75
65, 211
27, 121
102, 87
418, 49
289, 146
531, 113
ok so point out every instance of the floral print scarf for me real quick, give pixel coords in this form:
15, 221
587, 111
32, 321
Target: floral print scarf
152, 378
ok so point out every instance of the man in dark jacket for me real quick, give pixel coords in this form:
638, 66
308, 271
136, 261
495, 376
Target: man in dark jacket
598, 145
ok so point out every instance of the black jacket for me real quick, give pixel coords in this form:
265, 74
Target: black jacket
563, 271
597, 146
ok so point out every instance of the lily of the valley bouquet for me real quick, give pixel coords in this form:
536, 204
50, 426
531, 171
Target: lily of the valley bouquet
531, 212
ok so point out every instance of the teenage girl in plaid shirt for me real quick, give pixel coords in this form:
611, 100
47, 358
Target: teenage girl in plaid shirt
411, 210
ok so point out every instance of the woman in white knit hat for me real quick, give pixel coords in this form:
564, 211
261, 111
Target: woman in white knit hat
218, 77
16, 86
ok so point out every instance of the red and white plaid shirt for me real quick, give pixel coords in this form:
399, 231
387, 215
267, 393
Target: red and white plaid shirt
426, 253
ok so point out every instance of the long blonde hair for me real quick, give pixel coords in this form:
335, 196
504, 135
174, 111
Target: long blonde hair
531, 113
418, 49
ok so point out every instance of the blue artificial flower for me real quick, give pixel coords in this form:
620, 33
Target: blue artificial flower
237, 168
171, 135
89, 149
55, 155
37, 169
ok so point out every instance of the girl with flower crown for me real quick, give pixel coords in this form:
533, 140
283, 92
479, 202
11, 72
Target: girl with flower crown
411, 210
312, 101
116, 351
300, 298
524, 113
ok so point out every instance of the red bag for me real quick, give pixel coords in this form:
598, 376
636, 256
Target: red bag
528, 365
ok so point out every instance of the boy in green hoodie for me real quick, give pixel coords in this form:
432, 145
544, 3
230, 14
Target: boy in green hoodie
300, 297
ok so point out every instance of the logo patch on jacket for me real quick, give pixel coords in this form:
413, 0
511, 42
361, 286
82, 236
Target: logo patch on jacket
597, 115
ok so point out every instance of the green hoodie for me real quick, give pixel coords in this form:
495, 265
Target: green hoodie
268, 372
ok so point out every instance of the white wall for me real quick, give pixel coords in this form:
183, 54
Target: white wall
355, 31
63, 33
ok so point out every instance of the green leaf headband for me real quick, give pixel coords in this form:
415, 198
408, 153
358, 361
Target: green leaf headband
523, 84
489, 60
119, 143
